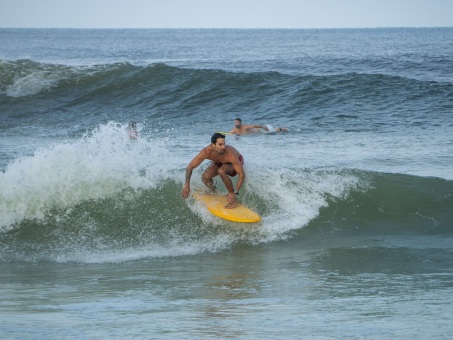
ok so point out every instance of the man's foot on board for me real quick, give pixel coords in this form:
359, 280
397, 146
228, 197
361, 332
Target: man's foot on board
211, 191
232, 205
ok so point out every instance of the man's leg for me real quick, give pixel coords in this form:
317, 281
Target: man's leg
223, 174
208, 175
224, 171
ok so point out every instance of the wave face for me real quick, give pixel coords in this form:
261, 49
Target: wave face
97, 199
368, 151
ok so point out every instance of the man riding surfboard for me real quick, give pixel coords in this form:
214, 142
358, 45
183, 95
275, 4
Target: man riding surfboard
226, 162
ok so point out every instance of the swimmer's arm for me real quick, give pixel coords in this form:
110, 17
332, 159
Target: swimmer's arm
258, 127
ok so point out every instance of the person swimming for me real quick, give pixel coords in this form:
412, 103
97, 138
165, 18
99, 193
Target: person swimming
133, 133
244, 129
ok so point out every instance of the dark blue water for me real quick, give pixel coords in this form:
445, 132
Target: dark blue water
356, 197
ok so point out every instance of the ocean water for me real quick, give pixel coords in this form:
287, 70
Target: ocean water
356, 198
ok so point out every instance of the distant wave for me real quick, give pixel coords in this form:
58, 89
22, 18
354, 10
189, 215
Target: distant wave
29, 87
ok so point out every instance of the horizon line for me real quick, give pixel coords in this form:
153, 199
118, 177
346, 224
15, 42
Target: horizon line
226, 28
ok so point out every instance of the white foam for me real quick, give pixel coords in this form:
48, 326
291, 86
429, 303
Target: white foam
32, 83
99, 165
294, 195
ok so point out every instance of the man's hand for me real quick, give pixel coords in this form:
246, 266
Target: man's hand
231, 197
185, 190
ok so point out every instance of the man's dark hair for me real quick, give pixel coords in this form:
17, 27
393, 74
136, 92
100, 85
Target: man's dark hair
239, 119
216, 136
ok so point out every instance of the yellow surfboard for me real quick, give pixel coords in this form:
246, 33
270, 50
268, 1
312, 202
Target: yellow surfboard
216, 205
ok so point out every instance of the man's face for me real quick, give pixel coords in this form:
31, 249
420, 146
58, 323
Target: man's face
219, 146
237, 124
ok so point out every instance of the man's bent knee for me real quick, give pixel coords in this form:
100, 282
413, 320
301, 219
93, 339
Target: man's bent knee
223, 172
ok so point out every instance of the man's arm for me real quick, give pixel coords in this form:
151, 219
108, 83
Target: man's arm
261, 127
192, 165
249, 127
231, 197
240, 171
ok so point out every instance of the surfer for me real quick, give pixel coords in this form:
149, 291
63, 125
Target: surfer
133, 133
241, 129
226, 162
